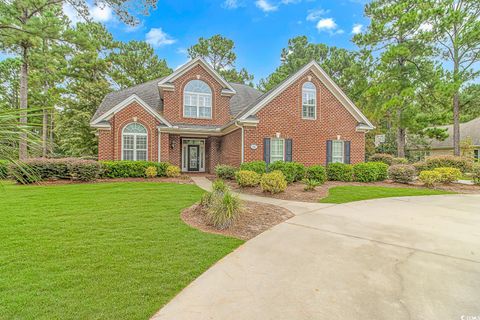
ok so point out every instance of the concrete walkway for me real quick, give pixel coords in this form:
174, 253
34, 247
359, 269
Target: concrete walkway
394, 258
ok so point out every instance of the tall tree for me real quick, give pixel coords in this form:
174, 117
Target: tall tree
402, 67
219, 52
135, 62
9, 83
456, 24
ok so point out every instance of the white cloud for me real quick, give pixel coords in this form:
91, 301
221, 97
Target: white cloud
291, 1
357, 28
101, 14
329, 25
265, 6
71, 13
231, 4
158, 38
314, 15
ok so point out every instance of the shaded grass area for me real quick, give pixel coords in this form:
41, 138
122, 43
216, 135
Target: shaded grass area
344, 194
99, 251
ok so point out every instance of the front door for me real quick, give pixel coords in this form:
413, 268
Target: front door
193, 158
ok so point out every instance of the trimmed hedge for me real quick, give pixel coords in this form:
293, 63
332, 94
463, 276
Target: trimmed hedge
402, 173
316, 173
259, 167
273, 182
429, 177
247, 178
476, 173
225, 171
293, 171
34, 170
462, 163
340, 172
4, 169
131, 169
370, 171
448, 175
382, 157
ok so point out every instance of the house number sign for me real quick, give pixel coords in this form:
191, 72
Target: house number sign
253, 147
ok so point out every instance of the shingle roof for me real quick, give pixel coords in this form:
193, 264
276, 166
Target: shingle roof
468, 129
149, 93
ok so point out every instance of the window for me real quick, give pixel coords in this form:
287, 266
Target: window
197, 100
338, 151
134, 142
476, 154
277, 150
309, 101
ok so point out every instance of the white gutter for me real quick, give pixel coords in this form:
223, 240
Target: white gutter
243, 141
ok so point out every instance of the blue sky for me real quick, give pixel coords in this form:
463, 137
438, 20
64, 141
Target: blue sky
259, 28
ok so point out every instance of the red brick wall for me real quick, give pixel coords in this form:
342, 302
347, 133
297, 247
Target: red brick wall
110, 142
231, 148
173, 100
284, 115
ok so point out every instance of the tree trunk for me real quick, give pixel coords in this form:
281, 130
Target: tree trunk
45, 133
23, 148
456, 124
401, 142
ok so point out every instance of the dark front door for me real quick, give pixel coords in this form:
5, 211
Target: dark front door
193, 158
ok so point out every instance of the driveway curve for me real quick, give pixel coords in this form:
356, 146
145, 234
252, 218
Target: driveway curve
393, 258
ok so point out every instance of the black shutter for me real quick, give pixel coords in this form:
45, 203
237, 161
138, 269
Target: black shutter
288, 150
346, 146
266, 150
329, 151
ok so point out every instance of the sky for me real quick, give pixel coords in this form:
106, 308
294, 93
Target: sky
259, 28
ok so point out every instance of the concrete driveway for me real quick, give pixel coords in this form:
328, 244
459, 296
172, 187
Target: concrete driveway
396, 258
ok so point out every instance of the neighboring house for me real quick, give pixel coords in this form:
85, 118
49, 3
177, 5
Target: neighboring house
469, 130
195, 119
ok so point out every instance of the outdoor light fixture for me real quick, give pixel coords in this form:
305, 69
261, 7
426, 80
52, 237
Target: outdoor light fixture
172, 144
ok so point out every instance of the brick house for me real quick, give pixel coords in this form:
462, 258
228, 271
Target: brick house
195, 119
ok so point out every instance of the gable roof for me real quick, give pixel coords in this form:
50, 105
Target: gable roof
264, 99
468, 129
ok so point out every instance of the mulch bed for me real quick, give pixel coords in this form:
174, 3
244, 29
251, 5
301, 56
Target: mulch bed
254, 219
295, 190
180, 180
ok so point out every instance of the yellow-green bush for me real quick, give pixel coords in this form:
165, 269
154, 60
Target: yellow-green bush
476, 173
172, 171
448, 175
273, 182
151, 172
247, 178
429, 177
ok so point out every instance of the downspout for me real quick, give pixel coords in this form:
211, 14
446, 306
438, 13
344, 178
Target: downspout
243, 143
159, 144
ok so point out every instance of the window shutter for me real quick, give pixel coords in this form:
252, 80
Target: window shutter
329, 151
288, 150
346, 145
266, 150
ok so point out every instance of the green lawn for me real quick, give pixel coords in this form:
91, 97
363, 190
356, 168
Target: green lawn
356, 193
99, 251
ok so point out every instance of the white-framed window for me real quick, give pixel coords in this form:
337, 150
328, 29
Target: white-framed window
338, 151
277, 149
197, 100
309, 101
476, 154
134, 142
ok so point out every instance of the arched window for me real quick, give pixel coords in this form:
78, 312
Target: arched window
309, 101
134, 142
197, 100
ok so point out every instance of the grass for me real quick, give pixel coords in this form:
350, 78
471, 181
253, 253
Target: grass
99, 251
344, 194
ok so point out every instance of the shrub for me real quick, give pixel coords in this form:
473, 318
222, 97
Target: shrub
172, 171
206, 200
402, 173
476, 173
339, 172
151, 172
131, 169
448, 175
370, 171
429, 177
273, 182
399, 161
224, 171
259, 167
224, 209
317, 173
247, 178
462, 163
293, 171
219, 186
310, 184
382, 157
420, 166
34, 170
3, 169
